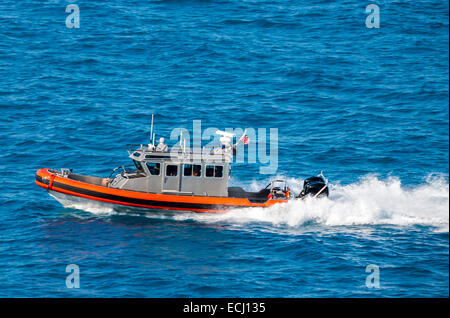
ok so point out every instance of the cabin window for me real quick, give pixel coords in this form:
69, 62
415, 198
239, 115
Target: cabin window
214, 171
171, 170
187, 170
138, 165
218, 171
197, 171
192, 170
209, 171
154, 168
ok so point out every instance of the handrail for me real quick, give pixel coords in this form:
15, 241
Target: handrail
180, 152
123, 168
134, 147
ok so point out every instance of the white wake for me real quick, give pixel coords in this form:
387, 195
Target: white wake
369, 201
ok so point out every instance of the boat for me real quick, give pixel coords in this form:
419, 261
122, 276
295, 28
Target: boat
176, 178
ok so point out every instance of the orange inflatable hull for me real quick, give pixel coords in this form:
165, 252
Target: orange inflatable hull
50, 181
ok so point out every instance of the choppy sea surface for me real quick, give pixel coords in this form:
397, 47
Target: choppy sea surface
369, 107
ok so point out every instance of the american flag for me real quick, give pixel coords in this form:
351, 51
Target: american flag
244, 139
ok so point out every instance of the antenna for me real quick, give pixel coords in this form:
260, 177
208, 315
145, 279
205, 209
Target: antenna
151, 133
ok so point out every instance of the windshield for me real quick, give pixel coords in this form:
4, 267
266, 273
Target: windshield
138, 165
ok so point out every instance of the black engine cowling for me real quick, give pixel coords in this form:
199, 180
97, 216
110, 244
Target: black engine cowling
313, 186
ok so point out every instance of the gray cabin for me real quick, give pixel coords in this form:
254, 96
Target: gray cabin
177, 171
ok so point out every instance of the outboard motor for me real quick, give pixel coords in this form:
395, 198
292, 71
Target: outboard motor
315, 187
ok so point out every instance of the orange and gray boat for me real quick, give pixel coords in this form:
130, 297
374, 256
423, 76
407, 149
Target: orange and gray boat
177, 179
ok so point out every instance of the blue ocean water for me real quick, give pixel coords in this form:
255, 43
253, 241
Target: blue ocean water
369, 107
